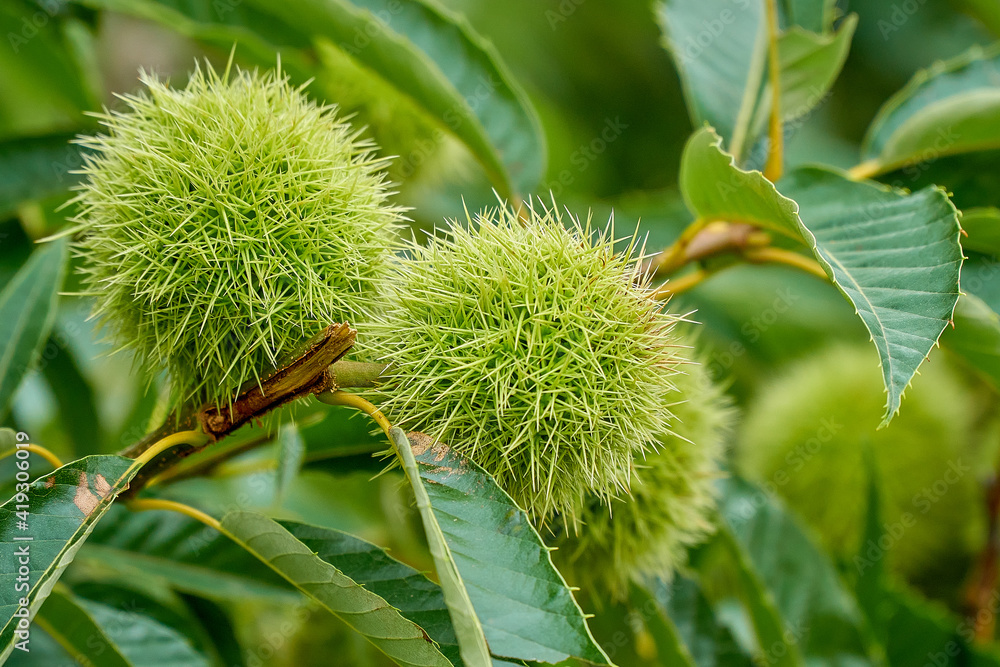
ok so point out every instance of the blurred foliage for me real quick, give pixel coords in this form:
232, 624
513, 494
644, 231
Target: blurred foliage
614, 120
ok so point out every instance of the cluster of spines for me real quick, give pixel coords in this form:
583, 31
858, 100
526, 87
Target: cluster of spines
647, 533
225, 223
534, 348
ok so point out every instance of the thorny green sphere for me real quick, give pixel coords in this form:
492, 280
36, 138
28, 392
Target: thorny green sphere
806, 435
225, 223
536, 350
648, 533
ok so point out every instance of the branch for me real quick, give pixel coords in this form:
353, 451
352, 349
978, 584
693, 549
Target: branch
982, 588
308, 374
771, 255
707, 240
682, 284
776, 152
356, 374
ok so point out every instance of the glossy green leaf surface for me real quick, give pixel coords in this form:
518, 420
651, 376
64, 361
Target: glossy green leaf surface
821, 618
27, 310
525, 607
44, 528
413, 594
719, 47
952, 107
400, 639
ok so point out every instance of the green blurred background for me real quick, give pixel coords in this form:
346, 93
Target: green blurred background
615, 122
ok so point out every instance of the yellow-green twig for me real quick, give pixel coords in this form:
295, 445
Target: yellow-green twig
672, 258
865, 170
36, 449
772, 255
194, 437
682, 284
355, 401
776, 155
144, 504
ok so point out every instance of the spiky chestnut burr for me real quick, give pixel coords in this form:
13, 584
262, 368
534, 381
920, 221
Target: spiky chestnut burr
805, 437
224, 223
648, 533
532, 348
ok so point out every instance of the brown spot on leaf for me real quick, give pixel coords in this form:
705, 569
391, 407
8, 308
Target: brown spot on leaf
101, 485
50, 482
85, 498
421, 443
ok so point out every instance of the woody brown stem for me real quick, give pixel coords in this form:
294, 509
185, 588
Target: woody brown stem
310, 373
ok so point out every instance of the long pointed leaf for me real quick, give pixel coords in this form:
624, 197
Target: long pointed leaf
710, 643
35, 168
110, 637
823, 620
719, 47
403, 641
895, 256
27, 311
468, 630
178, 551
44, 528
414, 595
525, 607
952, 107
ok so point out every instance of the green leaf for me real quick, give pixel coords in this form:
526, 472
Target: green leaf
812, 15
982, 226
35, 168
871, 572
810, 63
415, 596
217, 623
144, 641
895, 256
181, 552
910, 629
291, 453
710, 643
109, 637
976, 337
27, 310
468, 630
670, 650
369, 614
821, 617
77, 632
714, 188
437, 59
952, 107
73, 394
257, 35
719, 47
972, 178
81, 44
918, 632
526, 609
62, 509
431, 56
768, 624
41, 84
